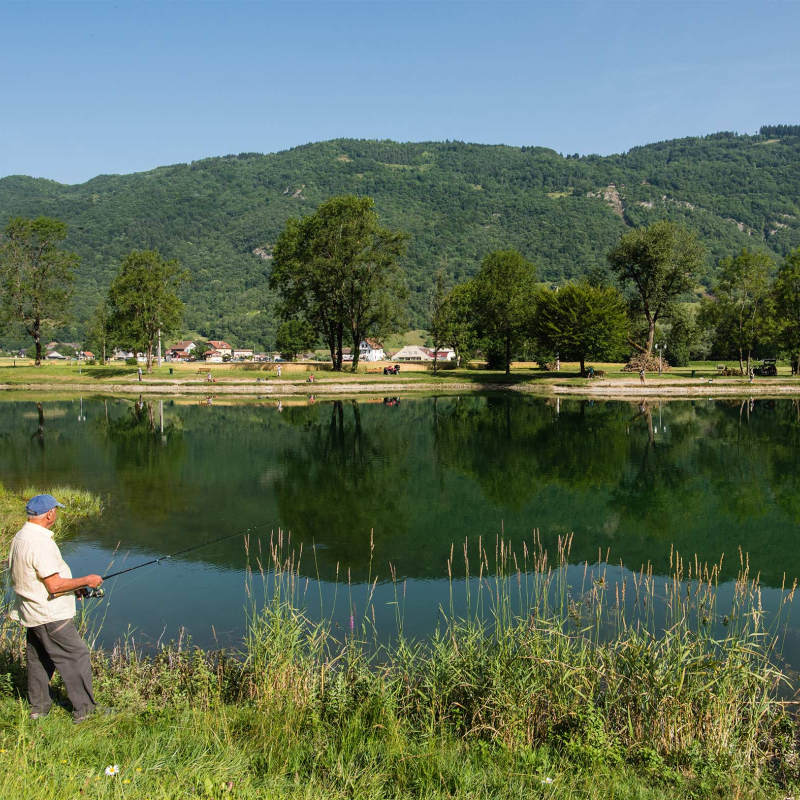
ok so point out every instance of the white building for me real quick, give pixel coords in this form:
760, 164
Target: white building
444, 354
412, 353
371, 350
242, 354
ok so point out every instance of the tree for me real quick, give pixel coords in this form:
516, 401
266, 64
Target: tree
143, 299
438, 327
741, 307
337, 269
682, 335
504, 292
295, 336
581, 321
662, 262
35, 276
459, 318
100, 332
200, 349
786, 295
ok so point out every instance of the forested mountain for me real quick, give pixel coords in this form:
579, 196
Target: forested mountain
222, 216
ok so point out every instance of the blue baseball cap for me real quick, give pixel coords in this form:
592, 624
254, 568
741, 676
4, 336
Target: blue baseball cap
41, 504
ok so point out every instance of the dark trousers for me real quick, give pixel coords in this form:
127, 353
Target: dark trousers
58, 646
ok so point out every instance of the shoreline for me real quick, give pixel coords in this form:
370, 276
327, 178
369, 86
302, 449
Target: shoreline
600, 389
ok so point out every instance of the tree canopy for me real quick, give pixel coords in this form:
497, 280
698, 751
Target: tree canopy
143, 300
338, 270
660, 263
36, 277
504, 298
581, 321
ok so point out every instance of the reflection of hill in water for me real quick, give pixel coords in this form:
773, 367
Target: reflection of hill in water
425, 474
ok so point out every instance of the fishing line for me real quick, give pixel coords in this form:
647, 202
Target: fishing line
99, 592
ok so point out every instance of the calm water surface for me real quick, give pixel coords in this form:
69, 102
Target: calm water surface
418, 476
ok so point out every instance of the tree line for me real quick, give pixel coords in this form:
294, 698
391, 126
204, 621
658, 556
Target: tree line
222, 216
338, 276
37, 283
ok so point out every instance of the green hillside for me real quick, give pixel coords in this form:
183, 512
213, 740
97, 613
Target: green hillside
221, 216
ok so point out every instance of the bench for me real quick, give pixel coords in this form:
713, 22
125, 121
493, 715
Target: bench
720, 367
204, 371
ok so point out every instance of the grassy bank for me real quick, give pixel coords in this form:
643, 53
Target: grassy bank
80, 505
640, 689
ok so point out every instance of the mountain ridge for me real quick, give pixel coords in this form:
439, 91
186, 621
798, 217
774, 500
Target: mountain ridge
221, 215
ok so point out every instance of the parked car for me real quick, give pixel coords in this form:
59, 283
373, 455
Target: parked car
768, 368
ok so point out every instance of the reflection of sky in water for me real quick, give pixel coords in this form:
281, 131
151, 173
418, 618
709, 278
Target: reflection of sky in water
421, 476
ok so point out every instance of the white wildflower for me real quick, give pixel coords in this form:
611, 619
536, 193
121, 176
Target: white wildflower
112, 770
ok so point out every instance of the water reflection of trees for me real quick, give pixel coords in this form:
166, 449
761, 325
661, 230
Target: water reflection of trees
341, 480
147, 454
721, 474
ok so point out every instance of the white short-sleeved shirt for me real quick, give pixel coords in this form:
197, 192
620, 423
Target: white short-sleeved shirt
34, 556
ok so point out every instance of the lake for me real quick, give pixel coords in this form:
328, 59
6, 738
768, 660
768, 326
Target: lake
416, 477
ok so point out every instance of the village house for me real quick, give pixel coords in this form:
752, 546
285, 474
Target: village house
412, 352
215, 356
54, 355
222, 347
242, 355
85, 355
444, 354
371, 350
180, 351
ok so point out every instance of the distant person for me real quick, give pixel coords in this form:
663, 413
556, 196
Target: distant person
590, 373
39, 573
311, 378
209, 379
279, 370
139, 373
752, 374
641, 375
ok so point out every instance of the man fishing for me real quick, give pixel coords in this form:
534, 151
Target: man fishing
44, 604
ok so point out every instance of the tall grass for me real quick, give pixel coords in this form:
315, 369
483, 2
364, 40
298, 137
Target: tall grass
554, 670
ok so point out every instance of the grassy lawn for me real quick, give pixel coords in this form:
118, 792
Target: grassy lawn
96, 376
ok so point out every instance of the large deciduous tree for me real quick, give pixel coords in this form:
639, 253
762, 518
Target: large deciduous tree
36, 277
459, 321
143, 300
338, 269
741, 309
504, 294
786, 298
581, 321
662, 262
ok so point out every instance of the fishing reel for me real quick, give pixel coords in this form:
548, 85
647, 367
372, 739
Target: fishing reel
94, 593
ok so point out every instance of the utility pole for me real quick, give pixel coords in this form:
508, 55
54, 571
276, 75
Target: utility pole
159, 347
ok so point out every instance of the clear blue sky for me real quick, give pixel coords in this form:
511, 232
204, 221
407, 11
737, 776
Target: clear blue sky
90, 88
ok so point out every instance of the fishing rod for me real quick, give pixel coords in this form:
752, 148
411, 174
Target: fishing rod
100, 592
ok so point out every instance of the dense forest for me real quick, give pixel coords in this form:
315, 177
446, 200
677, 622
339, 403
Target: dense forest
221, 216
